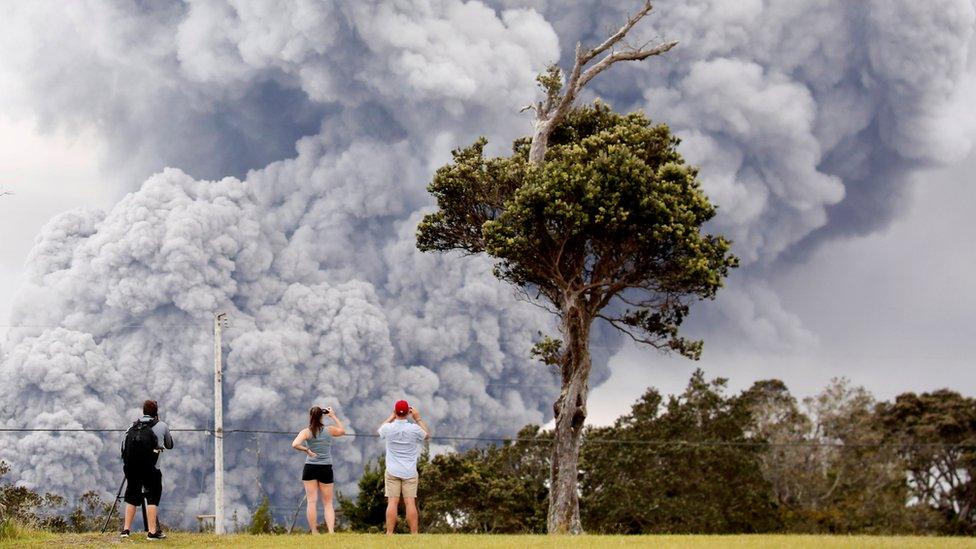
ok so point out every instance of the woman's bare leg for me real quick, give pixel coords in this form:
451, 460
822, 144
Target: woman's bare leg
326, 491
311, 510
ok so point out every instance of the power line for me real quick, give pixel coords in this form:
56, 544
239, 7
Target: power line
644, 442
111, 327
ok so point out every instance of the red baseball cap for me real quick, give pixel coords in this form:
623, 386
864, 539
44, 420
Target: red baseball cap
401, 407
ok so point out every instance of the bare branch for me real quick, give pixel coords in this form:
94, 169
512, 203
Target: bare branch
656, 343
522, 295
631, 55
551, 113
617, 36
527, 108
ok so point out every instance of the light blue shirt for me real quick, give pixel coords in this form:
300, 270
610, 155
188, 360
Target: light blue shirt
402, 447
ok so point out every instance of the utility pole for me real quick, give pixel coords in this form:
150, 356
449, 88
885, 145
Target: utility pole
220, 320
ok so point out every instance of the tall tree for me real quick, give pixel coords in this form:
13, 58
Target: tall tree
936, 435
609, 227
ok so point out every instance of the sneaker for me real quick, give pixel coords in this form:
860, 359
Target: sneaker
124, 534
156, 535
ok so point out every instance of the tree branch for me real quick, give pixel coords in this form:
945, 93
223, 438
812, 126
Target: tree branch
632, 55
551, 113
617, 36
523, 295
656, 343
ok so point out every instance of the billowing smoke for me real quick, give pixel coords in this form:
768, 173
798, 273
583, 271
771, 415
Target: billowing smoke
808, 119
325, 121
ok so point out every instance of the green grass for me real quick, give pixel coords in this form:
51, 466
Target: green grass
178, 539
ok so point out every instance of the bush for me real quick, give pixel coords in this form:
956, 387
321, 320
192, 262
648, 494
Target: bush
22, 508
262, 522
10, 530
367, 513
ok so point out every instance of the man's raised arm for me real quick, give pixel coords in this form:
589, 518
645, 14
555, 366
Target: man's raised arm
379, 430
420, 422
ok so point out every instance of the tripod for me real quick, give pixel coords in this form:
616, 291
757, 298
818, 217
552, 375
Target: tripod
115, 503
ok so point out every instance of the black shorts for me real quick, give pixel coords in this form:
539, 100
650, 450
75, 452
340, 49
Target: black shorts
321, 473
138, 479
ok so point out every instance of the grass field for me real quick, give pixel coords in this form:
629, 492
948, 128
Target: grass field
177, 539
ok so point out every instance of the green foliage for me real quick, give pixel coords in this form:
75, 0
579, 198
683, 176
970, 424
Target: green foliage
87, 516
262, 522
24, 509
708, 480
613, 213
758, 461
367, 513
827, 464
10, 529
551, 83
936, 435
838, 462
494, 489
547, 350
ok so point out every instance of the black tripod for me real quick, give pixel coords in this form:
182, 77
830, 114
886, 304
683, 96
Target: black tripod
118, 497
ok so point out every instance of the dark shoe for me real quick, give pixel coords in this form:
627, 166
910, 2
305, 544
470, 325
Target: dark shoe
124, 534
156, 535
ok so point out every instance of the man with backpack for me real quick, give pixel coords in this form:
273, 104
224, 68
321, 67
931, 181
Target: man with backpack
141, 446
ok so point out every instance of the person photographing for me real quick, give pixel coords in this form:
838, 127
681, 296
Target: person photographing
403, 441
142, 445
317, 477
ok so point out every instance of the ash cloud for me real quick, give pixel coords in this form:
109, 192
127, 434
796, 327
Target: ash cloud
809, 120
312, 256
315, 127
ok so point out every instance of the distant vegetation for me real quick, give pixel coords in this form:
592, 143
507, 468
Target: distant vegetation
704, 461
709, 462
22, 509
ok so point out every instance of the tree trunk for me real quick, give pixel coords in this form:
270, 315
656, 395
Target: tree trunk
540, 141
570, 413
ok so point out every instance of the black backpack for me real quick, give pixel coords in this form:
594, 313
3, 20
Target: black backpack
140, 446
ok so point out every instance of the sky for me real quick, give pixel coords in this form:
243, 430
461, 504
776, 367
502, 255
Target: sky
169, 160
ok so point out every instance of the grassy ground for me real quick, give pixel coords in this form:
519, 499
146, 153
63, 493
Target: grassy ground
177, 539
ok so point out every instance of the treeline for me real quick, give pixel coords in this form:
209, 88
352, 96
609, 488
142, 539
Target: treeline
706, 461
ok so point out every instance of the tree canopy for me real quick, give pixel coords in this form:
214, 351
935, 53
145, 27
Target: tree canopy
613, 216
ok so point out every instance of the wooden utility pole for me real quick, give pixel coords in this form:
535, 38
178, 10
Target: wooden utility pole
220, 320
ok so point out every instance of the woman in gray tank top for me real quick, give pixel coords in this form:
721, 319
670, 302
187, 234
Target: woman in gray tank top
315, 441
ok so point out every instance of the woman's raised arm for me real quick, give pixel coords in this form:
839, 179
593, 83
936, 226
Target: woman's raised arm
336, 430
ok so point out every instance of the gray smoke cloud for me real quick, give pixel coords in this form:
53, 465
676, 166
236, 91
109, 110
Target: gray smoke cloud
808, 119
311, 256
305, 134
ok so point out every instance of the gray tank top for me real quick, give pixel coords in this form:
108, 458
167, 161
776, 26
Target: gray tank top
321, 445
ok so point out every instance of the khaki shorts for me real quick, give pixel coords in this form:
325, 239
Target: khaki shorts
401, 487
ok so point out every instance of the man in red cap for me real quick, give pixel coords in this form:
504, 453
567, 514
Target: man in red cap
402, 450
